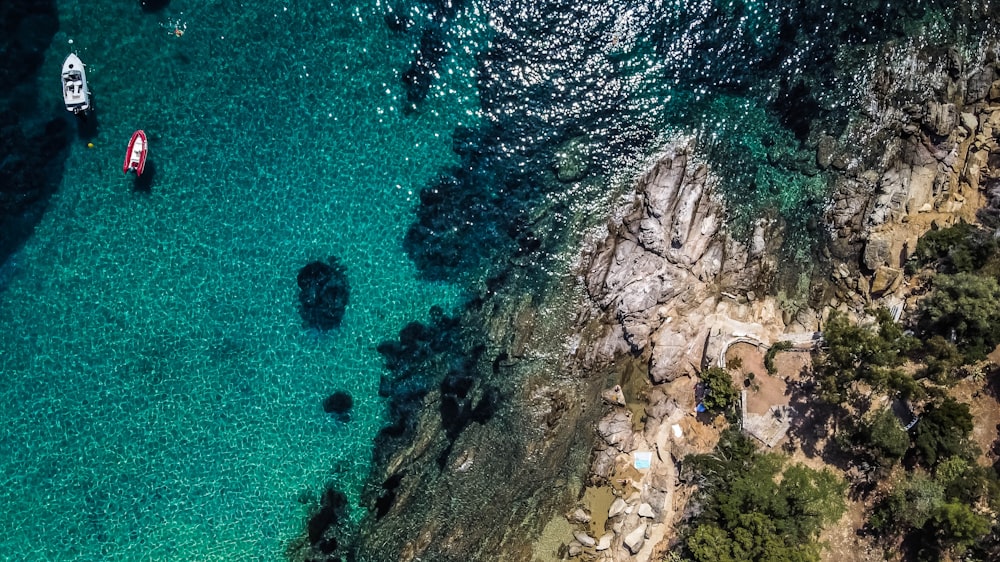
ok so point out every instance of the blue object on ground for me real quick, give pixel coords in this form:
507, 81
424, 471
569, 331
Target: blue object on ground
643, 459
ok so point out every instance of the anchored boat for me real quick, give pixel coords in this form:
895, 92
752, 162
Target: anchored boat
135, 158
76, 95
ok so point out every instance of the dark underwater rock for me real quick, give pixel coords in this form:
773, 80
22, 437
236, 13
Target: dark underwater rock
327, 527
417, 363
397, 23
421, 73
797, 108
475, 217
33, 145
444, 10
154, 5
324, 293
339, 403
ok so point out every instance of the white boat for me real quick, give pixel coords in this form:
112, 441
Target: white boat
76, 95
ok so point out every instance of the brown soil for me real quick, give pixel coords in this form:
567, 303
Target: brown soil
842, 541
985, 411
793, 365
764, 390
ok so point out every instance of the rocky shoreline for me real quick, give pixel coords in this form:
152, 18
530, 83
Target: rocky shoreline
931, 161
600, 366
680, 291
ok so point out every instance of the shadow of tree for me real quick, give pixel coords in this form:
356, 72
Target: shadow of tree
991, 384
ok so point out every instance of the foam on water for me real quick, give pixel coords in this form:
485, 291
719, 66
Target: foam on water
161, 399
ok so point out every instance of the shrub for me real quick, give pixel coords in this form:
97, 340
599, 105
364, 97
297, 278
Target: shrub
886, 437
908, 505
757, 508
941, 358
956, 527
772, 351
933, 512
943, 431
720, 394
736, 363
959, 248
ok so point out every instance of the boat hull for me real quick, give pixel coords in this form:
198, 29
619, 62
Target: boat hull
76, 93
135, 156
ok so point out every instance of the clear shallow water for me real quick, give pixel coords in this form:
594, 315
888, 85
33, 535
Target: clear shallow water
160, 398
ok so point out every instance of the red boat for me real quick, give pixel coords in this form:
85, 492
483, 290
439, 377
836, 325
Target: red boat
135, 158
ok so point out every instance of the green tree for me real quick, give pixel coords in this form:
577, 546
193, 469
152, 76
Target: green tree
813, 498
967, 482
909, 505
956, 527
885, 437
709, 542
959, 248
720, 394
943, 431
941, 358
923, 510
854, 353
964, 308
755, 508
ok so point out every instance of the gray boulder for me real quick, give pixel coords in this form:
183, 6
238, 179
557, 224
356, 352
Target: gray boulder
635, 539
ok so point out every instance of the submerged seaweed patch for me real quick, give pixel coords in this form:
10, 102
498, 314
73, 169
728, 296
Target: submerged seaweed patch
324, 292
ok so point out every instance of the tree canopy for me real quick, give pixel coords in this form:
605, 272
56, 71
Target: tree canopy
936, 512
943, 430
755, 507
720, 394
856, 353
963, 308
886, 437
962, 247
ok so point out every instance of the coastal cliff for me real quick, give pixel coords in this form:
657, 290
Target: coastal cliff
923, 154
593, 378
678, 290
672, 277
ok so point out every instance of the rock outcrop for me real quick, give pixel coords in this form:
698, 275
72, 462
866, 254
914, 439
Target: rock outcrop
678, 290
677, 284
913, 166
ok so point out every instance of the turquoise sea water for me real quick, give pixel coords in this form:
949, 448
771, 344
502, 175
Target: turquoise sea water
160, 398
